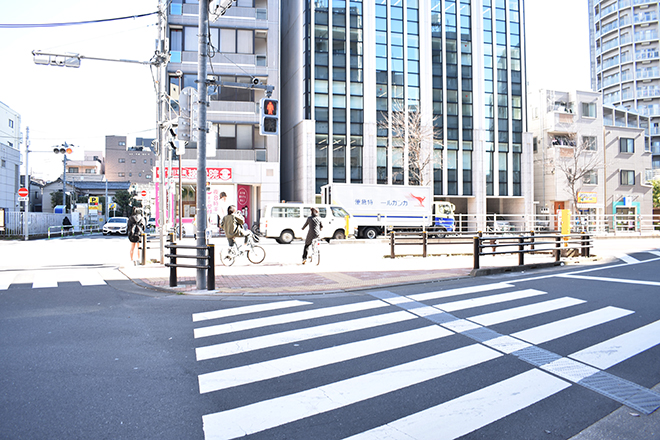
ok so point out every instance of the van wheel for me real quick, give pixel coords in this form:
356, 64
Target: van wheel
339, 235
286, 237
370, 233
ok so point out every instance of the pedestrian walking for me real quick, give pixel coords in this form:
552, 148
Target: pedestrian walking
314, 231
134, 229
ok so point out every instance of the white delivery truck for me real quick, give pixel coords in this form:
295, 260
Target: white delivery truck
374, 208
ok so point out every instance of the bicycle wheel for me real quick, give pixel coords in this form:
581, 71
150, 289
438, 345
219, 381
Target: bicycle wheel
256, 254
226, 257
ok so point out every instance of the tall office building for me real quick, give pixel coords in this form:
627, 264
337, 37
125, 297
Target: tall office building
349, 67
625, 61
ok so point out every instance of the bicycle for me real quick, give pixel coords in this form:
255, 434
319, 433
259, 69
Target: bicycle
255, 253
315, 252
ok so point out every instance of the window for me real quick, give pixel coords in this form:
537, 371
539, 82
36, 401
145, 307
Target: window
588, 110
133, 161
626, 145
145, 161
590, 143
121, 174
285, 212
590, 178
122, 160
122, 143
627, 177
147, 176
11, 123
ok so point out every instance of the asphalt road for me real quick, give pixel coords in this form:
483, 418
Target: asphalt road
508, 357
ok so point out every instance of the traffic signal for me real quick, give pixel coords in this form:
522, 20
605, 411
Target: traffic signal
270, 117
63, 149
185, 116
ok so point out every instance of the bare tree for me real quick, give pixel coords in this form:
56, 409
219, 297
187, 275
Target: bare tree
412, 127
576, 160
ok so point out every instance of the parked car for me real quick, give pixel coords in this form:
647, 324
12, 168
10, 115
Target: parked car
151, 225
116, 225
494, 224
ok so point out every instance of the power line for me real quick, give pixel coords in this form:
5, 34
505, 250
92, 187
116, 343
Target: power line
71, 23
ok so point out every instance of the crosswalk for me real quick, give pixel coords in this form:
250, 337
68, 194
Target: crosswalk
313, 360
51, 278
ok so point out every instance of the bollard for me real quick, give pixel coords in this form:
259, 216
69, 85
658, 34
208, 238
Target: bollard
424, 243
143, 254
521, 248
173, 267
392, 244
558, 249
532, 239
475, 251
210, 282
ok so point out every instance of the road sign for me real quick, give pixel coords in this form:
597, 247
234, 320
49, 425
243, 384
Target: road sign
143, 194
23, 192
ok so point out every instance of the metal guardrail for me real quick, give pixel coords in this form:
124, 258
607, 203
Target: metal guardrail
173, 265
499, 243
531, 244
62, 229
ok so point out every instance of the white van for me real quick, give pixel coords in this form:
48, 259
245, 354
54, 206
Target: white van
284, 221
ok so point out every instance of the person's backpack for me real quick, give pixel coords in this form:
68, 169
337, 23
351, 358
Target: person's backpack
136, 229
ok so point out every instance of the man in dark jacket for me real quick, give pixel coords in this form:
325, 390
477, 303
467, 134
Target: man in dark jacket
314, 231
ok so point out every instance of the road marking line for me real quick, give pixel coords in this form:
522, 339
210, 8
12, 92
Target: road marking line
46, 278
627, 258
6, 280
275, 339
286, 318
618, 349
615, 280
271, 413
574, 324
472, 411
459, 291
219, 380
488, 300
237, 311
507, 315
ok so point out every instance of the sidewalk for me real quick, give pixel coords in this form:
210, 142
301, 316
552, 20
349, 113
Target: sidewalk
356, 265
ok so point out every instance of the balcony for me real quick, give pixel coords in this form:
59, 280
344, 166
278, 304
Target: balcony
648, 92
646, 17
647, 54
647, 35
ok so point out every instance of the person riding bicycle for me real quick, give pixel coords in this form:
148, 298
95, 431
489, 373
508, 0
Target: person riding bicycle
232, 224
314, 231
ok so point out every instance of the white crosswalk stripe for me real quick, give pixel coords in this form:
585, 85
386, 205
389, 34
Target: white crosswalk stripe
445, 420
41, 279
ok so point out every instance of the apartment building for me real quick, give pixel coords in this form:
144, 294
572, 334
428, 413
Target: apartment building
625, 59
350, 66
605, 150
123, 163
244, 48
10, 157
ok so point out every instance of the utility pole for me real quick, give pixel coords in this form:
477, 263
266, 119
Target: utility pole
27, 182
202, 93
162, 110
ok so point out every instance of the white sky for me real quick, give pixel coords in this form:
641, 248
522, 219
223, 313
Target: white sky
81, 106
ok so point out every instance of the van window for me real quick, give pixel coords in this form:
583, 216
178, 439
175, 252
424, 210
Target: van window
307, 212
338, 212
286, 212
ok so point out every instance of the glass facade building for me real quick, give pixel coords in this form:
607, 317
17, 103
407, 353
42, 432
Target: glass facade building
397, 92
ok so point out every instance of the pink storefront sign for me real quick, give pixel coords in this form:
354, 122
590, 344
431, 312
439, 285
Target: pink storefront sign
190, 173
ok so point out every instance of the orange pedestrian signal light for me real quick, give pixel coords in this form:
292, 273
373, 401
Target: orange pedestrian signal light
269, 123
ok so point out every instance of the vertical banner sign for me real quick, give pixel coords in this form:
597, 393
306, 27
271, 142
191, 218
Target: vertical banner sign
213, 206
243, 202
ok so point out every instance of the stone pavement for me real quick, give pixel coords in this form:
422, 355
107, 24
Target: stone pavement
356, 265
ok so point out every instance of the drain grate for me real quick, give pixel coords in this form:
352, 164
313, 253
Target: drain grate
623, 391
